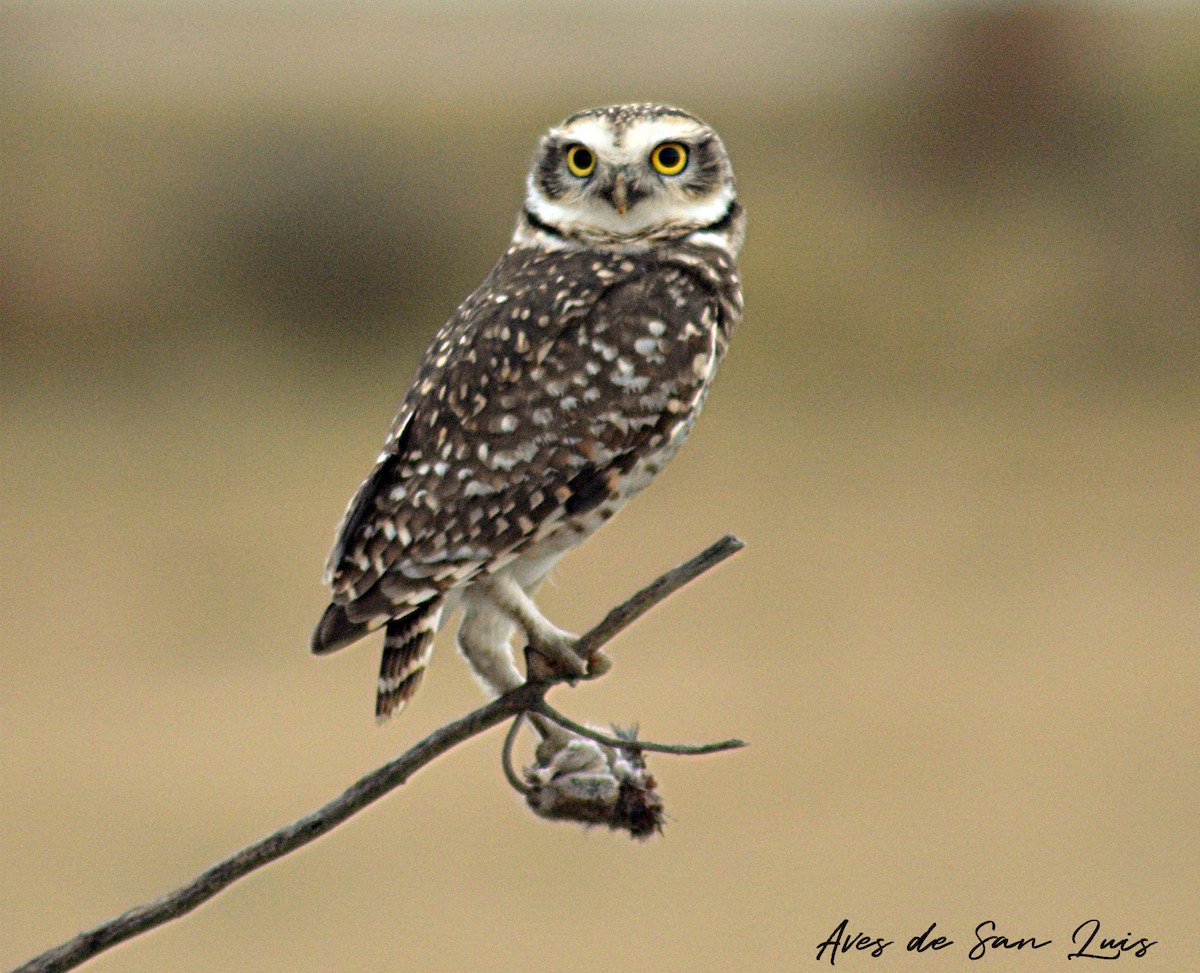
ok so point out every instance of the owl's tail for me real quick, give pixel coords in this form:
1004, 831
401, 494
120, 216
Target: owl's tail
407, 645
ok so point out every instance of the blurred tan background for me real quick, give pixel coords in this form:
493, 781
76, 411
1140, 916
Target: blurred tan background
958, 430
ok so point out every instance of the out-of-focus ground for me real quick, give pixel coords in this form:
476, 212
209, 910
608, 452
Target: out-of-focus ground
959, 431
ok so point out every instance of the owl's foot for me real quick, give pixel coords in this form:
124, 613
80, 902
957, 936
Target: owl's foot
598, 663
551, 654
556, 658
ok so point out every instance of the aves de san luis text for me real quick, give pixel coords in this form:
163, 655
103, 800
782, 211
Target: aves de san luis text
1088, 941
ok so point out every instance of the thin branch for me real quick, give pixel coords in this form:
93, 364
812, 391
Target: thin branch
287, 839
370, 788
630, 610
620, 743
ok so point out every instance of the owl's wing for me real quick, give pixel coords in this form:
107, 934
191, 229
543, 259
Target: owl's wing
533, 408
377, 528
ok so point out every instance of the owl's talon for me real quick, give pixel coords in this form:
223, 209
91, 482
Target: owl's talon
538, 668
598, 663
558, 657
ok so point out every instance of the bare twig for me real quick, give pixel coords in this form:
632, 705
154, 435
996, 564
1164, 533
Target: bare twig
522, 700
630, 610
620, 743
287, 839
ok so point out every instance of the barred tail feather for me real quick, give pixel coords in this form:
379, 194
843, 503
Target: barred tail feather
407, 645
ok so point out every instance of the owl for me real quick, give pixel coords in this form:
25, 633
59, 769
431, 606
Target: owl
554, 393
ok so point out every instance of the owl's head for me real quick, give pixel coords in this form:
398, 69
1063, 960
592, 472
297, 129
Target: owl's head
630, 177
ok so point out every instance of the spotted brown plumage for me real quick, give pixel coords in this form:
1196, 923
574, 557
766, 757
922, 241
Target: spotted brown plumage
556, 391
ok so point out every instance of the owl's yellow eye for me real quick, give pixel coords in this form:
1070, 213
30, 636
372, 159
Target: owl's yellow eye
670, 158
581, 160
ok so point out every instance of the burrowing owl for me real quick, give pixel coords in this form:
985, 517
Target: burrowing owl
554, 393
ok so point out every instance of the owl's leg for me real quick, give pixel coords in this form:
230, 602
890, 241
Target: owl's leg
483, 639
549, 641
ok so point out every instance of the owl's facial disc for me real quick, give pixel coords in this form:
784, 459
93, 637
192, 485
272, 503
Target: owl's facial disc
626, 179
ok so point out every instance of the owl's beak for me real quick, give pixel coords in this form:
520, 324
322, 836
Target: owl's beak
620, 194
